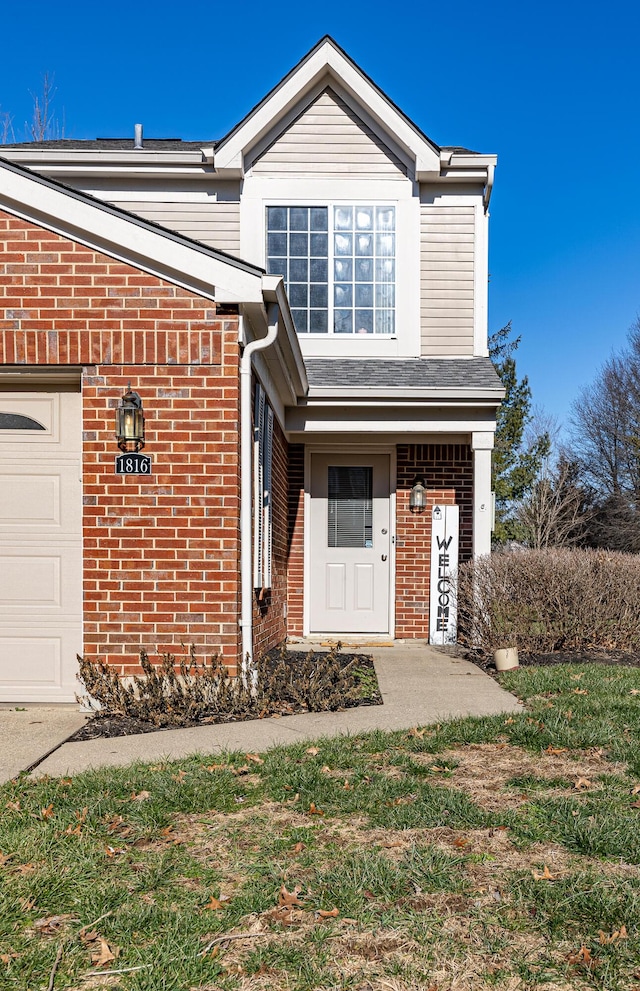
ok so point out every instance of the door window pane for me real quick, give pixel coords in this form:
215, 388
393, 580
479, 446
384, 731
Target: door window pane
350, 516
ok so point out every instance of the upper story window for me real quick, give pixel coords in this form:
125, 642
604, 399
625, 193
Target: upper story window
339, 266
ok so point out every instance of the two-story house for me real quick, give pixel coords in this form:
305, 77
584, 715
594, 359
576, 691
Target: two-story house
301, 310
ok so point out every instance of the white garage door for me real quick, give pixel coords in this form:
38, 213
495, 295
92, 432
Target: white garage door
40, 545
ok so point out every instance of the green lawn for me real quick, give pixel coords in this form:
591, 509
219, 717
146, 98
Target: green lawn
481, 853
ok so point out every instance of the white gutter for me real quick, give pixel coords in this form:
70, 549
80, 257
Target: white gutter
246, 492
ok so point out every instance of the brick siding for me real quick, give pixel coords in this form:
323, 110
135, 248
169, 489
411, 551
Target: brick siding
160, 553
447, 470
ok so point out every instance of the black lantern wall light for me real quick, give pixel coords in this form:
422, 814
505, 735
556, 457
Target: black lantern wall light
418, 497
130, 422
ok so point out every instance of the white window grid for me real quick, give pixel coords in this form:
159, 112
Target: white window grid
356, 295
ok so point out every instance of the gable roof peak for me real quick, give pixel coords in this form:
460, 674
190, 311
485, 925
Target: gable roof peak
326, 62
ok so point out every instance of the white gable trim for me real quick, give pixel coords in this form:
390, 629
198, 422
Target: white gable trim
281, 124
326, 65
101, 228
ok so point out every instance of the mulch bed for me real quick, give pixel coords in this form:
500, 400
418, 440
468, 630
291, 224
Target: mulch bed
614, 657
105, 726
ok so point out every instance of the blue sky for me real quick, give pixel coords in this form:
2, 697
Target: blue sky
551, 87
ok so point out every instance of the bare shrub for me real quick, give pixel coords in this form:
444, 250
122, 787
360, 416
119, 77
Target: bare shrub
179, 693
550, 600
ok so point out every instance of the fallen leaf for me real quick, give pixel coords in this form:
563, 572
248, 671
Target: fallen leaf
439, 769
620, 933
8, 957
635, 790
254, 758
141, 796
418, 733
460, 841
113, 851
51, 924
509, 722
238, 771
214, 905
216, 767
314, 810
580, 691
333, 914
179, 777
103, 956
313, 751
635, 805
47, 813
545, 876
555, 750
288, 898
346, 785
634, 691
583, 957
4, 857
13, 806
26, 904
66, 782
74, 830
24, 868
298, 847
582, 783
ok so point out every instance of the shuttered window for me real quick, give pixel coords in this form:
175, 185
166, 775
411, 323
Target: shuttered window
350, 518
262, 477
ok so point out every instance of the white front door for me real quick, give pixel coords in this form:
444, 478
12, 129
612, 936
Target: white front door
40, 545
349, 544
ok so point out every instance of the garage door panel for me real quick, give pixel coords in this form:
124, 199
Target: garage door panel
30, 581
35, 668
40, 547
30, 499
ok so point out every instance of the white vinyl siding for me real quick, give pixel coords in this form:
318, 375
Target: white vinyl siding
328, 138
216, 224
447, 241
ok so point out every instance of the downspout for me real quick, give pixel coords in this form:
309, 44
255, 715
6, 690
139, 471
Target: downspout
491, 170
246, 491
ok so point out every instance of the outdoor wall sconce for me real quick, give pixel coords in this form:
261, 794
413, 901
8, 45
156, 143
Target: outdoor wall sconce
130, 422
418, 497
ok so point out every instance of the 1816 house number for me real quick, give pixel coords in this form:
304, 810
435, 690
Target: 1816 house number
133, 464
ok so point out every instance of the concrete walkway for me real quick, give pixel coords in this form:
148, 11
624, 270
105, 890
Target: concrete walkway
419, 685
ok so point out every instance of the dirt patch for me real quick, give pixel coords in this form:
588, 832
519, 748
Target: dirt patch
485, 769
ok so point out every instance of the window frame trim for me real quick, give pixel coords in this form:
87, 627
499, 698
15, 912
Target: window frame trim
330, 203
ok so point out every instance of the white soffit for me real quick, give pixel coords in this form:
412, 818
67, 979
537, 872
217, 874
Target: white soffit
326, 65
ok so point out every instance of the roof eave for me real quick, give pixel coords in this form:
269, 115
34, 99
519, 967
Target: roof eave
388, 396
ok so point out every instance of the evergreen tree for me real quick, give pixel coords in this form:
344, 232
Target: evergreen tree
516, 465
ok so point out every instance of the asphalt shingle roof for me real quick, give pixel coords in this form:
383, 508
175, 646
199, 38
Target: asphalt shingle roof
403, 374
112, 144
